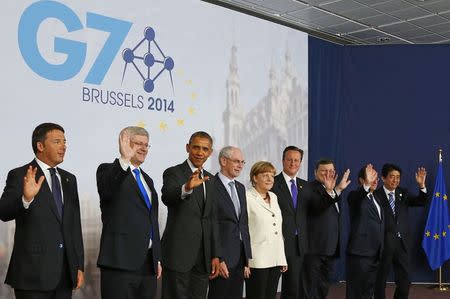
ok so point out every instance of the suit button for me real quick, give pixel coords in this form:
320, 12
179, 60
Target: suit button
276, 233
274, 224
273, 215
60, 245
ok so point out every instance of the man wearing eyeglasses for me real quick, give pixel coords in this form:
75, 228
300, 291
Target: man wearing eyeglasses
233, 226
130, 250
47, 260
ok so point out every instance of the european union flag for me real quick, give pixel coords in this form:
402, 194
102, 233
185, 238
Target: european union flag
436, 241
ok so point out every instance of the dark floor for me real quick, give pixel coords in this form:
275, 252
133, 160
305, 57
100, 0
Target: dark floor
337, 291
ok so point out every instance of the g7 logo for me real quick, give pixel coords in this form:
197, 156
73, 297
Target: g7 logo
38, 12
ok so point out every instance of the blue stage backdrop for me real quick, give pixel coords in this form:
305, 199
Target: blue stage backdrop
382, 104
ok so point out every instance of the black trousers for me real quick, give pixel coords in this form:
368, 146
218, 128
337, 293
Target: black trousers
361, 273
395, 255
318, 270
62, 291
186, 285
233, 286
121, 284
292, 284
263, 283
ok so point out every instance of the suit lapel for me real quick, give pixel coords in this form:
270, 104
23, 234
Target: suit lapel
45, 191
225, 195
198, 198
284, 189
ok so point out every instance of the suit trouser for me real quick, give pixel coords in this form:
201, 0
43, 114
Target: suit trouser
233, 286
317, 280
292, 284
396, 255
192, 284
361, 272
121, 284
263, 283
63, 289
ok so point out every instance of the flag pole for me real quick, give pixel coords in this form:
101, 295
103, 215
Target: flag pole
441, 287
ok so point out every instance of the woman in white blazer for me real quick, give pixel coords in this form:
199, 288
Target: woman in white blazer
266, 237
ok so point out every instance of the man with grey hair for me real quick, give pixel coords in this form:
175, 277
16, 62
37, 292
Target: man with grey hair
130, 250
233, 226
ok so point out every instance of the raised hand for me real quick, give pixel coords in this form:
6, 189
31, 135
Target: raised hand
329, 181
127, 151
195, 180
371, 175
421, 175
30, 186
344, 181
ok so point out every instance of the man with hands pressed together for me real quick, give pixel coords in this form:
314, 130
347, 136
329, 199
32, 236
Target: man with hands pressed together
47, 260
324, 227
233, 225
395, 201
130, 252
190, 244
366, 237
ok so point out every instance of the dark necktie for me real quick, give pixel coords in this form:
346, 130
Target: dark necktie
144, 193
294, 193
372, 198
56, 191
392, 202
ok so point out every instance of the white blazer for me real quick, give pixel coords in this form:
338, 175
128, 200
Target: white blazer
265, 226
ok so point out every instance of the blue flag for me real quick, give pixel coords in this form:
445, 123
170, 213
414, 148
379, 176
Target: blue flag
436, 240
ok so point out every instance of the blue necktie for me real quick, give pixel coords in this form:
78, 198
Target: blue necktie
392, 202
294, 192
144, 193
56, 191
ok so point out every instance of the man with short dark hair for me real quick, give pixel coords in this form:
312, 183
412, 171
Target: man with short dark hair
324, 228
130, 250
190, 244
233, 226
293, 195
395, 201
47, 260
365, 243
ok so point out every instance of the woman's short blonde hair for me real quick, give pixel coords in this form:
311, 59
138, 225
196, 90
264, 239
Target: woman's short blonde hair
261, 167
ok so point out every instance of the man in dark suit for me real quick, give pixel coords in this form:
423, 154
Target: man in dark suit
130, 250
293, 195
190, 244
324, 227
233, 225
366, 238
47, 260
395, 202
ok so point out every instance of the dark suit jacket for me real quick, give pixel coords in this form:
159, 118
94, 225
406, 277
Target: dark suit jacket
324, 222
367, 228
294, 220
399, 222
41, 236
230, 226
127, 221
191, 222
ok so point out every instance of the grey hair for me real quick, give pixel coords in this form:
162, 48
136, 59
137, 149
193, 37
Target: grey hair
226, 152
134, 130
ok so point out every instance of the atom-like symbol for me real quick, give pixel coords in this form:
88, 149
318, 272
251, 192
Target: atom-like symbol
149, 60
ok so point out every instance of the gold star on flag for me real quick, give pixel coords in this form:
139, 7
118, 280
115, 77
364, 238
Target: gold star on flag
427, 233
141, 124
179, 72
189, 82
193, 95
180, 122
191, 110
436, 236
162, 126
445, 197
444, 233
437, 194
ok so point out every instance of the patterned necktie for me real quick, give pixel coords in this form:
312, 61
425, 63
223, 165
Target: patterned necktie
234, 198
392, 202
294, 193
56, 191
144, 194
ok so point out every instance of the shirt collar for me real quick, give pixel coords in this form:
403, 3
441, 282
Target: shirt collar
43, 166
288, 178
387, 192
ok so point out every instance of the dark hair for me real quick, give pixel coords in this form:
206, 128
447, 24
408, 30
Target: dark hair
293, 148
40, 132
201, 134
323, 161
362, 173
388, 167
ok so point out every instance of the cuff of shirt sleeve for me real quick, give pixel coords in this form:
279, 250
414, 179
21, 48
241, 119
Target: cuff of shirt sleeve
185, 193
26, 204
124, 163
